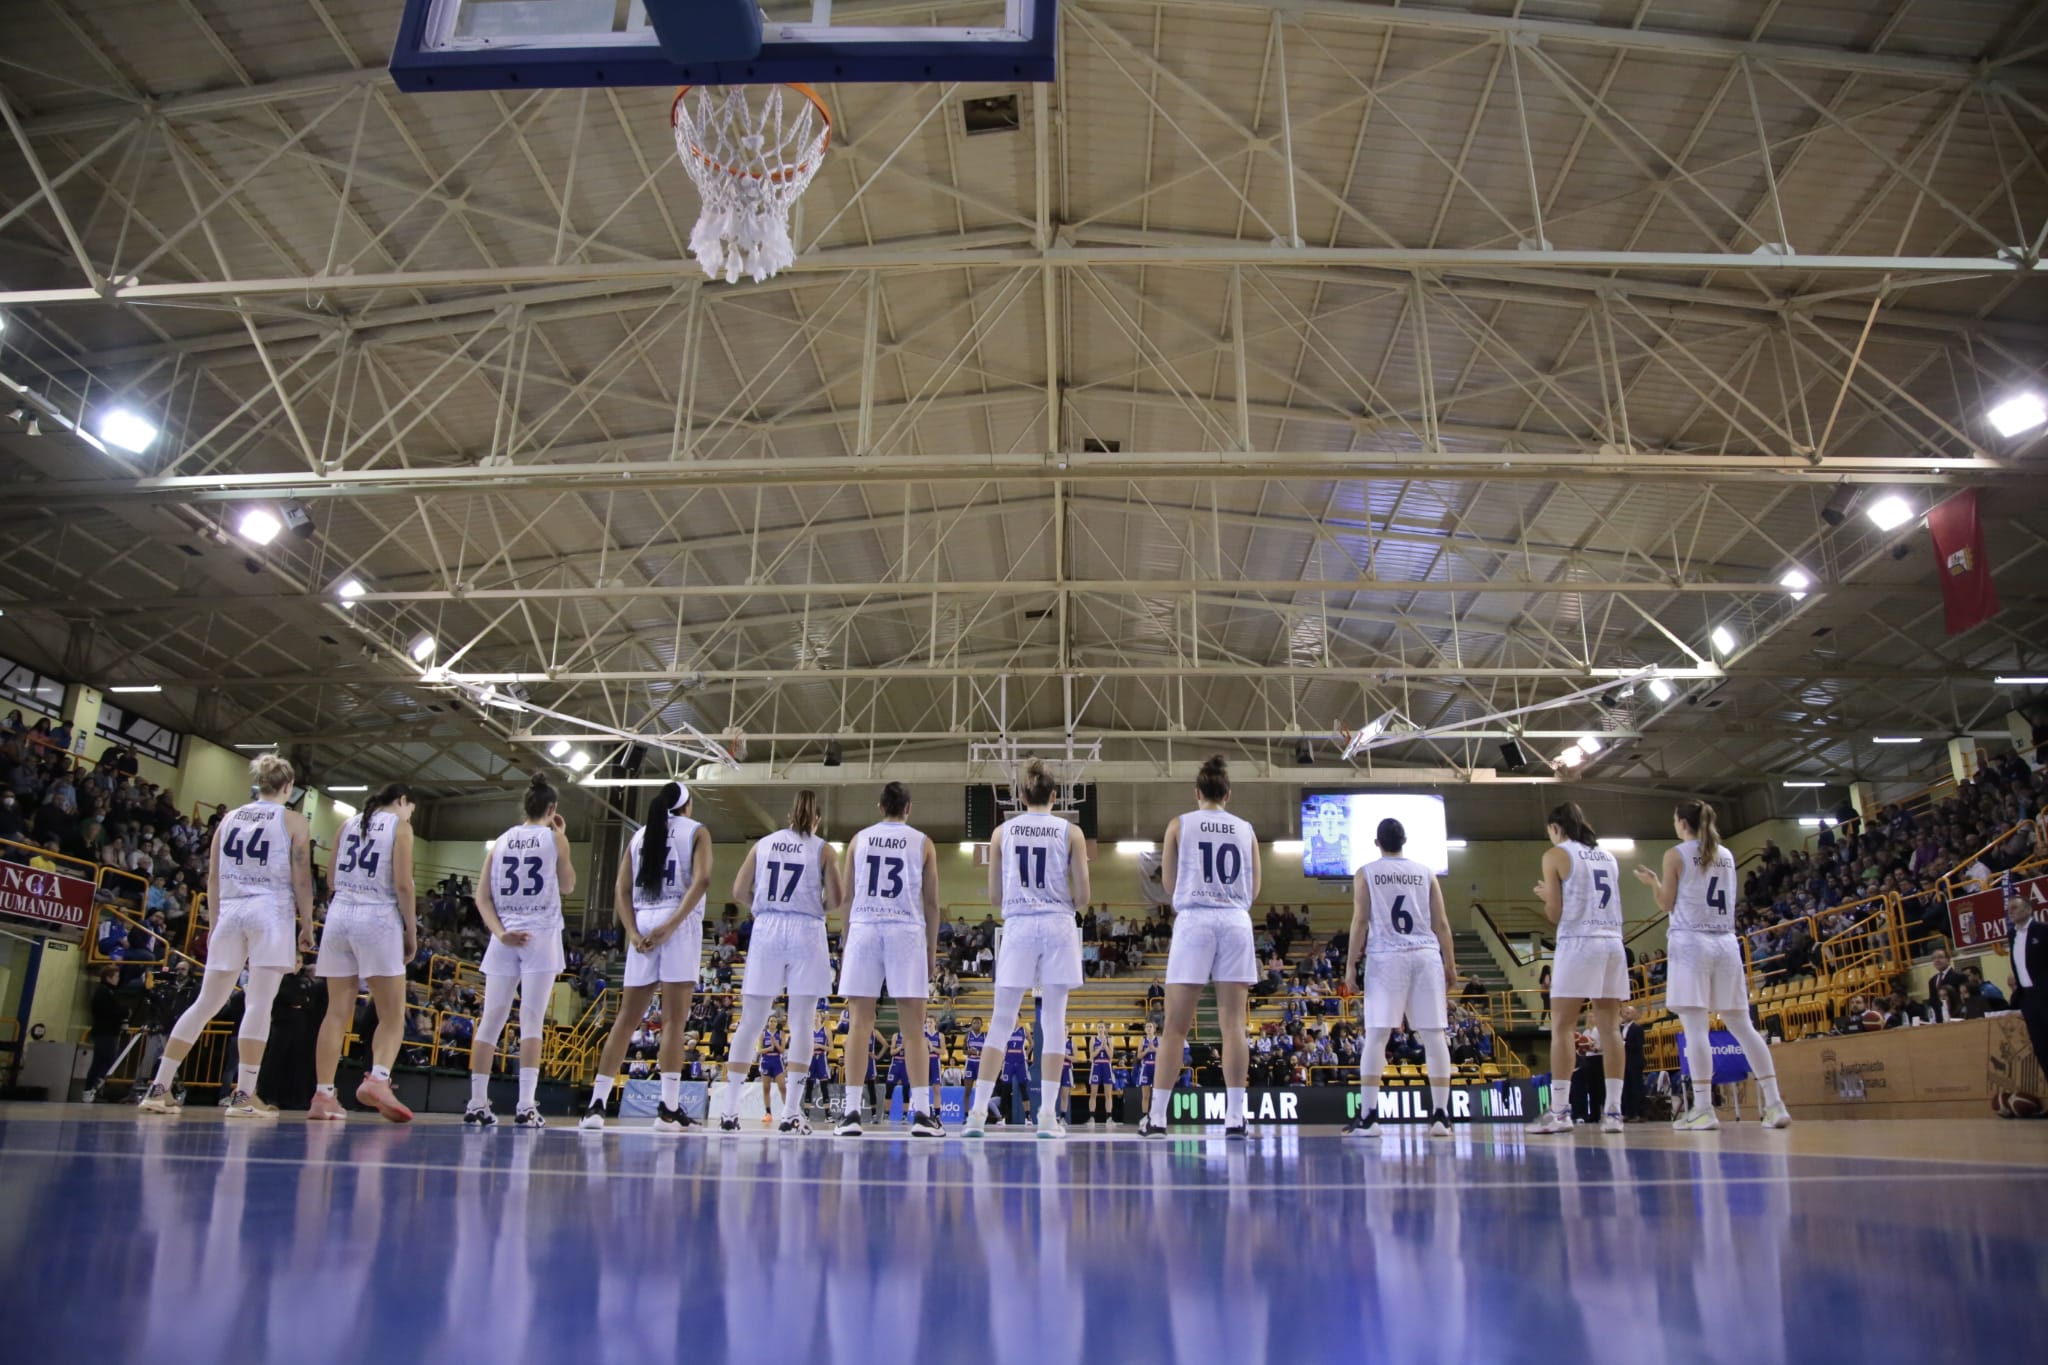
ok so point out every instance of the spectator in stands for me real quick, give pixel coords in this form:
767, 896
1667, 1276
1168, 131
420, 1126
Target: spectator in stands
109, 1020
1944, 976
1902, 1013
1974, 985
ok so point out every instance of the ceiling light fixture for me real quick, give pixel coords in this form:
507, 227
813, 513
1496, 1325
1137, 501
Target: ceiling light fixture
258, 526
422, 647
2021, 679
1890, 512
139, 687
1617, 845
1812, 821
558, 748
1724, 639
1572, 757
578, 761
264, 747
1136, 846
1660, 689
1454, 843
1797, 579
2018, 414
131, 431
1896, 739
1288, 847
1802, 784
1591, 744
341, 808
350, 590
332, 790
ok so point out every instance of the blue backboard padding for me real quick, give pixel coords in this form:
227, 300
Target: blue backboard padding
707, 30
416, 70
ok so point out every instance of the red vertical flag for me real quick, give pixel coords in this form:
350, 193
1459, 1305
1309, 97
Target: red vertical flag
1966, 588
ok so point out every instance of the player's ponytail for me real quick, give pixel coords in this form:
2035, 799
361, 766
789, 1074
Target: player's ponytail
541, 798
388, 795
895, 801
653, 873
1698, 817
1213, 782
1039, 783
1569, 818
804, 816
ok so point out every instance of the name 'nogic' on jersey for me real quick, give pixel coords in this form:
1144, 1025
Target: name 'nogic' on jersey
789, 874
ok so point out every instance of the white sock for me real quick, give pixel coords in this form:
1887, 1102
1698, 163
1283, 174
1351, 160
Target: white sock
529, 1083
479, 1089
380, 1073
1613, 1095
732, 1093
166, 1072
672, 1089
1561, 1096
984, 1096
1440, 1093
246, 1077
792, 1101
920, 1099
1368, 1095
601, 1089
326, 1090
1161, 1098
1234, 1110
849, 1102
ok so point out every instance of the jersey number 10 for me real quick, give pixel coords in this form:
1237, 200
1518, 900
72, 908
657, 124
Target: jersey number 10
1221, 863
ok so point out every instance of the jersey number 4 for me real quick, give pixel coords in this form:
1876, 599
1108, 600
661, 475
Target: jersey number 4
510, 885
876, 864
356, 854
1717, 899
255, 849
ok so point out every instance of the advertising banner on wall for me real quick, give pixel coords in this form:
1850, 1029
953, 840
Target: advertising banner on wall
1471, 1102
1978, 920
51, 897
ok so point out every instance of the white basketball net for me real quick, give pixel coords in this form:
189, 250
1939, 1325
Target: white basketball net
751, 152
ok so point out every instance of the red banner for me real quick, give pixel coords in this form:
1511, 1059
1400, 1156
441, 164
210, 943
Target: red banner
1978, 920
50, 897
1967, 592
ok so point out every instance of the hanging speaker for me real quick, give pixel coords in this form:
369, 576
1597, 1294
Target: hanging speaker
1512, 755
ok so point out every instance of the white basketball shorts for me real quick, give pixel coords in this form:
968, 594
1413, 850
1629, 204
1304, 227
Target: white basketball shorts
254, 933
1704, 972
787, 953
675, 961
1211, 945
1589, 969
361, 941
1406, 983
1039, 950
542, 953
879, 956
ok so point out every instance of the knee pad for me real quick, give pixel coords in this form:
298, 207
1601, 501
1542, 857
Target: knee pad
256, 1000
1053, 1019
498, 993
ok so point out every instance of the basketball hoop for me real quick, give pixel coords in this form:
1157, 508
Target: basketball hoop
736, 746
752, 154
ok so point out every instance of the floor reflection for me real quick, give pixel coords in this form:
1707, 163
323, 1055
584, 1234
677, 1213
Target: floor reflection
204, 1242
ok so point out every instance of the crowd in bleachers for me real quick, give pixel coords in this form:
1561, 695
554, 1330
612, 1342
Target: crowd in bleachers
1795, 903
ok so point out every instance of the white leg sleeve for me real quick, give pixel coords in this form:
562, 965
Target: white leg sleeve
214, 990
256, 999
1699, 1054
1754, 1046
535, 988
1052, 1018
801, 1010
1372, 1061
746, 1037
1002, 1022
498, 993
1436, 1052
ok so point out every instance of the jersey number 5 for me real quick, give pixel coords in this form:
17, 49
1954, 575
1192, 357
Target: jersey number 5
1604, 887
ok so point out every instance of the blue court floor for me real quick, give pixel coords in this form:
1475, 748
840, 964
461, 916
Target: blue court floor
193, 1240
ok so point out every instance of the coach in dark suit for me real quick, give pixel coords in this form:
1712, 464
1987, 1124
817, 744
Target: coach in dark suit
2029, 948
1634, 1065
1944, 976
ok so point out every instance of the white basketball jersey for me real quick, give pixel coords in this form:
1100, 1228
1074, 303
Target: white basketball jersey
789, 874
675, 876
1706, 895
1217, 854
1397, 894
362, 863
1592, 894
1035, 866
886, 865
524, 885
255, 854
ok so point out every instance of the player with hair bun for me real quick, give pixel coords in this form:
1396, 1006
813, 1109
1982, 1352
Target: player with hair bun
1210, 861
1037, 875
1581, 895
519, 892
